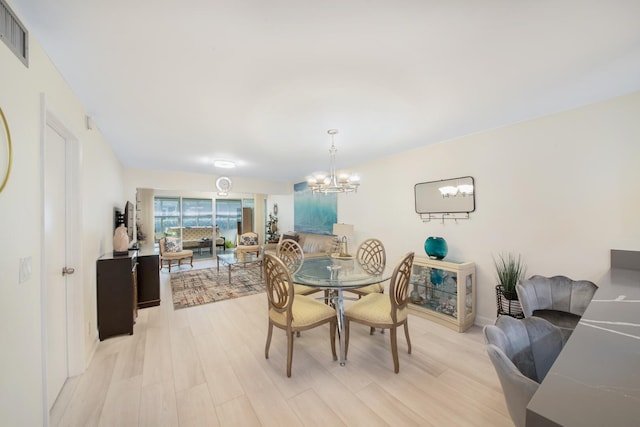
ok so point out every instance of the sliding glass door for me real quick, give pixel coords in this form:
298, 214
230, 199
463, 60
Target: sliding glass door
173, 213
228, 216
166, 213
197, 212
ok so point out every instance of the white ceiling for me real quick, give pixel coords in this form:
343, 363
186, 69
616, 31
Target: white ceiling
176, 84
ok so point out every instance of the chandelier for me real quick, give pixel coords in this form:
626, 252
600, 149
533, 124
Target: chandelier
333, 182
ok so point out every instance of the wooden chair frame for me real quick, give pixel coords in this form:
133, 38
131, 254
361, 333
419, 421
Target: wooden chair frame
281, 297
398, 297
373, 259
291, 253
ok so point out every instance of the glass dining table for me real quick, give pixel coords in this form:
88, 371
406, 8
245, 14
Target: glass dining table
336, 275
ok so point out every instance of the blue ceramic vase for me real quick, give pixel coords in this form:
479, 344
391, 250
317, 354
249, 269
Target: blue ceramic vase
436, 276
436, 247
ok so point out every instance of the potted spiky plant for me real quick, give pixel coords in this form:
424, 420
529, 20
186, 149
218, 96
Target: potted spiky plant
510, 270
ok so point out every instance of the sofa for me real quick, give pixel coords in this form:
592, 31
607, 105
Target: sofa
193, 236
314, 245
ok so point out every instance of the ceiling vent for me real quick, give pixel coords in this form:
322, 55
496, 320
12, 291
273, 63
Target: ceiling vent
13, 33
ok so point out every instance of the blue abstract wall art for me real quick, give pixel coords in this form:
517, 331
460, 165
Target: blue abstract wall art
313, 213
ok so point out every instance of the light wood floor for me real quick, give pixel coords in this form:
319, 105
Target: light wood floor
205, 366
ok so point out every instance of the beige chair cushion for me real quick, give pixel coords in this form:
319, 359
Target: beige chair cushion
306, 311
177, 255
375, 288
374, 308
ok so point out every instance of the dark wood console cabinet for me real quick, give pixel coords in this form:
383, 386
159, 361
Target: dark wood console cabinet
148, 277
126, 283
116, 294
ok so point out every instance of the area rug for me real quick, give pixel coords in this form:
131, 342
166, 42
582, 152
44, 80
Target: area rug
196, 287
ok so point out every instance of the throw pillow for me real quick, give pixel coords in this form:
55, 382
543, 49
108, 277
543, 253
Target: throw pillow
292, 236
249, 240
173, 244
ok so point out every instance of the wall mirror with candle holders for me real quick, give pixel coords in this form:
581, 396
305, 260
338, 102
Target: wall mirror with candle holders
445, 199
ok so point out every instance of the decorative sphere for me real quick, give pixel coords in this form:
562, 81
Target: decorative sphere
436, 247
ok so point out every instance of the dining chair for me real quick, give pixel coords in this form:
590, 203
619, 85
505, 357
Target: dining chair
522, 352
558, 299
292, 312
373, 259
290, 252
378, 310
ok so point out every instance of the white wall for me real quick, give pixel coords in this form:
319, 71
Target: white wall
561, 190
144, 214
21, 363
285, 210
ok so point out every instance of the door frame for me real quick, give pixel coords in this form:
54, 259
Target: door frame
76, 362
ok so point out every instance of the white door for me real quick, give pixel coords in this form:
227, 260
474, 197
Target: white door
55, 248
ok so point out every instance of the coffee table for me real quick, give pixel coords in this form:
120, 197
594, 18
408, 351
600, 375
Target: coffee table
231, 260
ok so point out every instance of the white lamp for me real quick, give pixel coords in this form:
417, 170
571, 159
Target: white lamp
345, 231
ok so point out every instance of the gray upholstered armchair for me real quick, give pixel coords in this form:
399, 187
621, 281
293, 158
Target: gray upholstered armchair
558, 299
522, 352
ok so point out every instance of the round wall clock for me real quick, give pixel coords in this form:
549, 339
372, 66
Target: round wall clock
223, 184
5, 151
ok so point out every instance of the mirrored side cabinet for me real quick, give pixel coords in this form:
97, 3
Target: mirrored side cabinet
444, 292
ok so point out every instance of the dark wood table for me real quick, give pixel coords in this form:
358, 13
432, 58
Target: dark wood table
203, 244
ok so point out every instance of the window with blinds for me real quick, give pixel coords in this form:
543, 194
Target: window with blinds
13, 33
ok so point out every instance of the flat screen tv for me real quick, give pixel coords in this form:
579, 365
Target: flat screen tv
128, 220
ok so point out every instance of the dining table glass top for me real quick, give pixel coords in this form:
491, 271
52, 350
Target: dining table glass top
327, 272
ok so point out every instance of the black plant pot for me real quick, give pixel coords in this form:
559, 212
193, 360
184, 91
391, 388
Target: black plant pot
508, 303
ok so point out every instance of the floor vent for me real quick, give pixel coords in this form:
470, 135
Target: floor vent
13, 33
